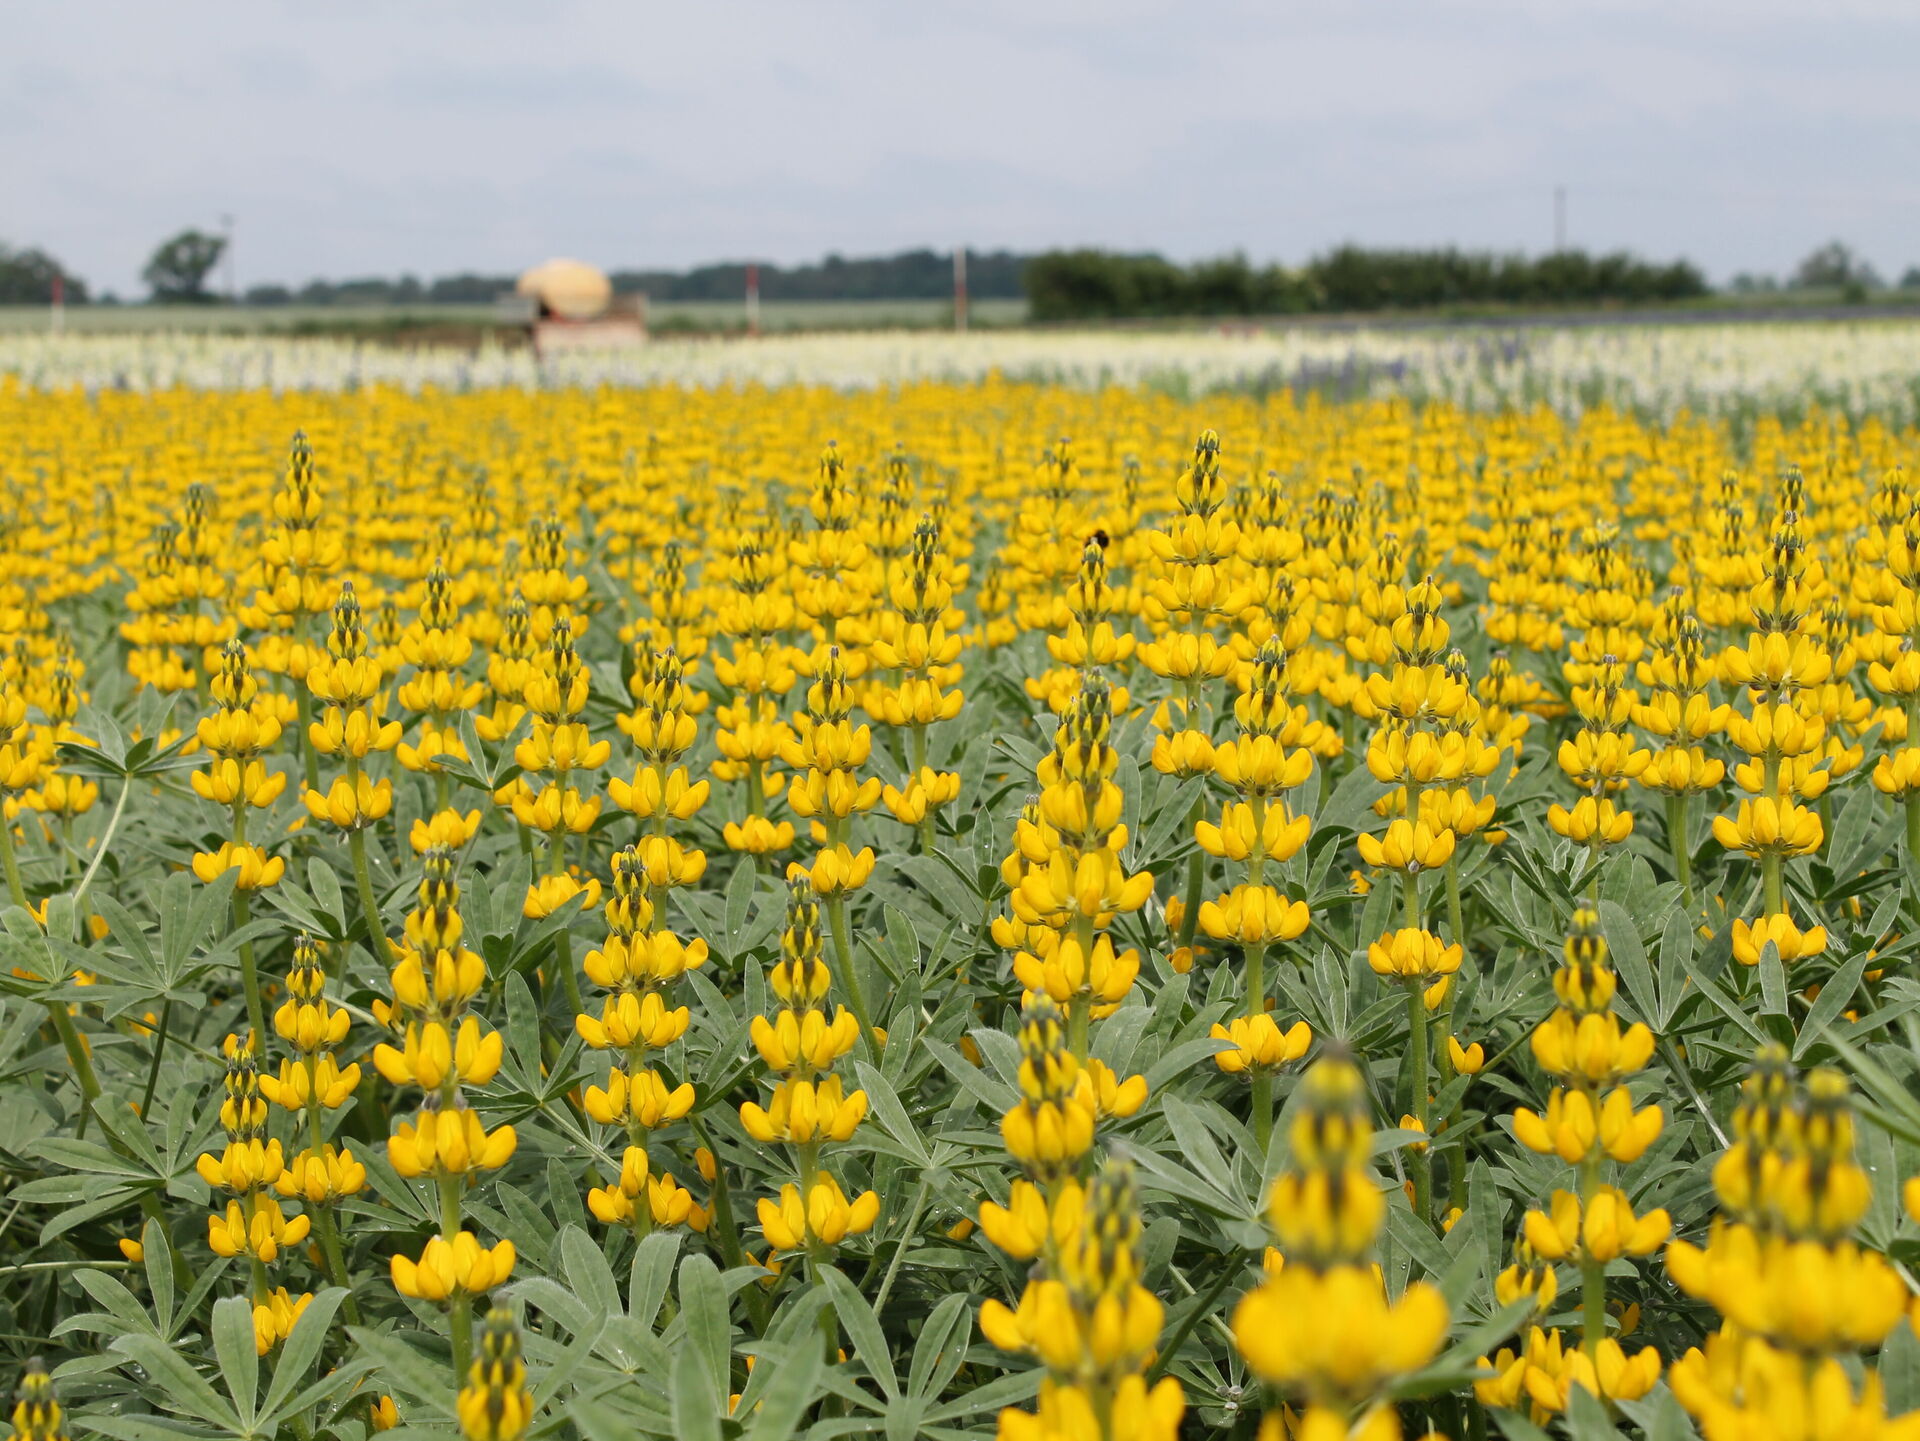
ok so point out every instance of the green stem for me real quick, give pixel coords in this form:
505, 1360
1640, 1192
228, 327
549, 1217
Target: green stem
843, 957
16, 888
1682, 853
1196, 878
303, 708
1421, 1161
925, 828
250, 973
249, 966
100, 849
1203, 1308
1455, 924
1262, 1077
63, 1026
563, 960
731, 1250
336, 1261
1593, 1305
1770, 882
906, 1239
159, 1049
462, 1302
369, 907
78, 1058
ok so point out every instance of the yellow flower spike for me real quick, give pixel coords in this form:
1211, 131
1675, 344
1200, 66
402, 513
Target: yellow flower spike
799, 1040
1768, 826
1297, 1329
1110, 1098
447, 828
274, 1318
548, 894
1259, 1043
1592, 1047
1413, 955
1254, 915
321, 1176
1022, 1226
243, 1167
256, 869
1407, 847
429, 1055
494, 1404
1183, 754
350, 805
835, 871
757, 835
226, 781
671, 1204
628, 1020
803, 1112
1591, 822
444, 1268
448, 1143
1528, 1276
642, 1098
647, 795
1779, 931
261, 1233
1603, 1230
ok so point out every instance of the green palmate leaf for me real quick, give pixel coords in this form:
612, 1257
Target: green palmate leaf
1629, 958
1197, 1146
1587, 1418
183, 1390
863, 1328
1900, 1370
891, 1114
653, 1262
941, 1348
299, 1352
588, 1272
157, 1260
781, 1401
1835, 995
695, 1417
703, 1312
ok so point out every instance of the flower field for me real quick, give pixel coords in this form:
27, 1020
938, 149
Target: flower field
719, 905
1727, 371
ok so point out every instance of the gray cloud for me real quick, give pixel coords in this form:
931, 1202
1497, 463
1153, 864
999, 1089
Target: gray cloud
364, 137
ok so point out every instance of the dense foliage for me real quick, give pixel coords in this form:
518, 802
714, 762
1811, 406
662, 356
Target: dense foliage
908, 275
704, 913
27, 278
1102, 285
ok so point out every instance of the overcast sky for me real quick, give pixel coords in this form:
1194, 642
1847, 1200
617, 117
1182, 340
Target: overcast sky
354, 137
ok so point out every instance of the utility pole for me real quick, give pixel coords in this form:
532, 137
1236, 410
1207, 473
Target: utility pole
1559, 219
960, 288
226, 251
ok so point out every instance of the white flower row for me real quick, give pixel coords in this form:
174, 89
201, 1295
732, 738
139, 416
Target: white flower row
1858, 367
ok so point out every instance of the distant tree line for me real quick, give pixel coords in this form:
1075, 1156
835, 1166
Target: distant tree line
910, 275
1099, 284
27, 276
1059, 284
